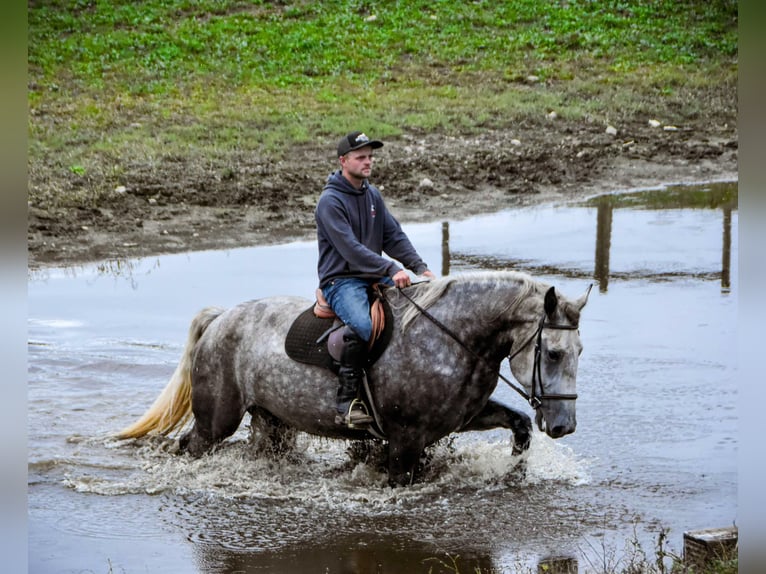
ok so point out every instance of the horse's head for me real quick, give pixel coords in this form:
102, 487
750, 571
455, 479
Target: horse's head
545, 362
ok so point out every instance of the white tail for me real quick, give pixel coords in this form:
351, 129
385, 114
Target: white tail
173, 408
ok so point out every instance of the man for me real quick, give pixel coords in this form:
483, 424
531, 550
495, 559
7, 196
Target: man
354, 228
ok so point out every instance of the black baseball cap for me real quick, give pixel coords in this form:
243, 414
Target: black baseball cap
355, 140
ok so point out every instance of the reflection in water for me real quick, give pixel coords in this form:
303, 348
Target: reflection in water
123, 268
603, 241
709, 196
721, 196
346, 554
701, 196
726, 251
557, 565
445, 248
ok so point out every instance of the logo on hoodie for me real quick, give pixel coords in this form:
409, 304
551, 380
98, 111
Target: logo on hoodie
372, 210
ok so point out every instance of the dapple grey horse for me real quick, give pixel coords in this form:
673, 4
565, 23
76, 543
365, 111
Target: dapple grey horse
434, 378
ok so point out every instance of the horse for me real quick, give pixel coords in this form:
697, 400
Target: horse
450, 338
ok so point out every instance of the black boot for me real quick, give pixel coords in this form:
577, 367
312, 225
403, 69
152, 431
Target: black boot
351, 411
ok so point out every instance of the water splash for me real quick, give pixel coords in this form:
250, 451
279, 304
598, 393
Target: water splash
320, 471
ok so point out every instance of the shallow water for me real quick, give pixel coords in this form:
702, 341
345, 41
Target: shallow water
655, 447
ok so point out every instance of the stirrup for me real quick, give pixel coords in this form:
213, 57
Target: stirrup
356, 417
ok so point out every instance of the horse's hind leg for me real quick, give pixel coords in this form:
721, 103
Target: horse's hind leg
217, 409
269, 435
496, 415
208, 432
196, 442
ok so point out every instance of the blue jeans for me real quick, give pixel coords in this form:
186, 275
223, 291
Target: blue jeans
348, 298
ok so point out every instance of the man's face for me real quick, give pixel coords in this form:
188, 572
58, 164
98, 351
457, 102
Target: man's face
357, 163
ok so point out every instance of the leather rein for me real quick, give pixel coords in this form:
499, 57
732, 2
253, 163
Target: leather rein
534, 399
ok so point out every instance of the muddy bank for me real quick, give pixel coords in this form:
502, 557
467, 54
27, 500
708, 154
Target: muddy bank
177, 205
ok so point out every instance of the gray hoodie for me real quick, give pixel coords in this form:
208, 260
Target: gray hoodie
354, 228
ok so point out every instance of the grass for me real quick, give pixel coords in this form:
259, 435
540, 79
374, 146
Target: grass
634, 559
109, 80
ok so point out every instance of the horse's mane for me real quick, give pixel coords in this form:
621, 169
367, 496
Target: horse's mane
427, 293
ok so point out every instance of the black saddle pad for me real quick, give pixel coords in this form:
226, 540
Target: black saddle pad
301, 342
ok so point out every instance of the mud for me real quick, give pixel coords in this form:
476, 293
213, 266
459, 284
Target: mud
176, 205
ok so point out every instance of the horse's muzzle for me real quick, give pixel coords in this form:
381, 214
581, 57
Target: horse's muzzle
554, 430
559, 431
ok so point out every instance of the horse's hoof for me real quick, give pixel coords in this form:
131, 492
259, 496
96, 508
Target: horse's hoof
520, 443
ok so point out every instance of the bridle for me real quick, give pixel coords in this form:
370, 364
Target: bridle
534, 398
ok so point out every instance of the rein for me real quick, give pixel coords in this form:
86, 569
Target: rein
534, 399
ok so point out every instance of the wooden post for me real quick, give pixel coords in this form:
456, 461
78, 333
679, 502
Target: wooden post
701, 547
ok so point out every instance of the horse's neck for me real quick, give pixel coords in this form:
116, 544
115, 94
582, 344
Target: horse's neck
486, 302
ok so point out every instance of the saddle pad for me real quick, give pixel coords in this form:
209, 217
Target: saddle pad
301, 342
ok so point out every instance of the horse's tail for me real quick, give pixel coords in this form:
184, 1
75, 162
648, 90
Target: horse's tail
173, 408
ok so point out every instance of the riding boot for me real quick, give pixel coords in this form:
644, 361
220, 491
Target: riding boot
351, 411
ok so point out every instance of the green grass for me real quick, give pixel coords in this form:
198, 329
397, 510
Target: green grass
206, 77
154, 47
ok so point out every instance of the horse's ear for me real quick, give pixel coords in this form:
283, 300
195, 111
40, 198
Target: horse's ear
583, 299
551, 301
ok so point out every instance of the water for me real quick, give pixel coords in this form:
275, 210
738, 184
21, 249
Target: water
655, 447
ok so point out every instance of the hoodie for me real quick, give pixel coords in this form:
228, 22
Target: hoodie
354, 228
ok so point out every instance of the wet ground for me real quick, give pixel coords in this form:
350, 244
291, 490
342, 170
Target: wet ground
656, 445
171, 205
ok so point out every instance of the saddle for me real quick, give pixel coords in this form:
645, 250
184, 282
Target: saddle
315, 337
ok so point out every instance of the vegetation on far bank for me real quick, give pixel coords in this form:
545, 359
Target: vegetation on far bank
711, 196
113, 84
601, 558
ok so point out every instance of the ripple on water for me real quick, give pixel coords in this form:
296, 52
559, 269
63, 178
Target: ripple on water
87, 515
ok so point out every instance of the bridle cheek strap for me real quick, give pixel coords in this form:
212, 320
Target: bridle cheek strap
535, 399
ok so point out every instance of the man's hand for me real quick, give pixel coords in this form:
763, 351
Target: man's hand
401, 279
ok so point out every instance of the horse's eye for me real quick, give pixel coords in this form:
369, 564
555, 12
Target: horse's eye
555, 356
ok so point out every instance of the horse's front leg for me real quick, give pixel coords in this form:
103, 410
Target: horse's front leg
404, 452
495, 415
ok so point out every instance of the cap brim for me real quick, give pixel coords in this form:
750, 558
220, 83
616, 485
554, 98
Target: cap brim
374, 144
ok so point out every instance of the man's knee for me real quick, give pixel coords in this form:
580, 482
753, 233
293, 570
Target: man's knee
354, 351
357, 320
362, 331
